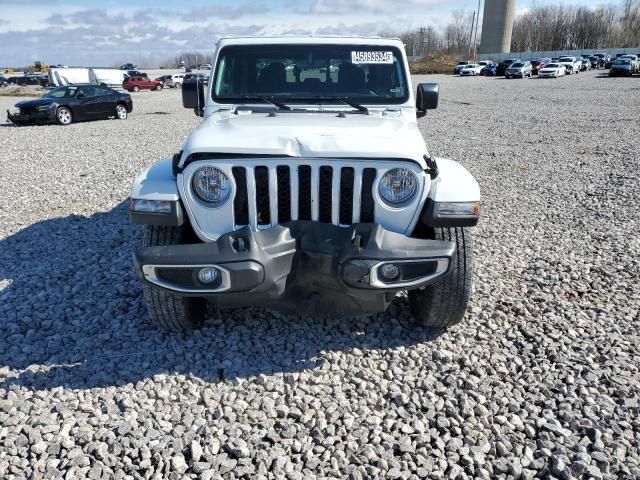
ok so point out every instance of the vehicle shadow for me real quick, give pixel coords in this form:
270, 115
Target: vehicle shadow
72, 315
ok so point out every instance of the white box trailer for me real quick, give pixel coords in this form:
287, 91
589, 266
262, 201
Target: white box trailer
100, 76
109, 76
69, 76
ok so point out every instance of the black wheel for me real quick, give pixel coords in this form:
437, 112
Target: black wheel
444, 303
178, 85
64, 116
168, 311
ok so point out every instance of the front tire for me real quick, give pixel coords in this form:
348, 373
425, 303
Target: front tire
443, 304
136, 88
167, 311
64, 116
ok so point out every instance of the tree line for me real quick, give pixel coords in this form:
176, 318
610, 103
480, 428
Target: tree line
559, 27
563, 27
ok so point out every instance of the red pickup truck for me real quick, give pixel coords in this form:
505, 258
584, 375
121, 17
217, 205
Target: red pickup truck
135, 84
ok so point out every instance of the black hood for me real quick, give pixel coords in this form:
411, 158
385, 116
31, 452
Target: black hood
38, 102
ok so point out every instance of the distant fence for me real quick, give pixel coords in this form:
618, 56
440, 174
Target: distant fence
498, 57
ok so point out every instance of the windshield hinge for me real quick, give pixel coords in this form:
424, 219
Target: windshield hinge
175, 163
432, 167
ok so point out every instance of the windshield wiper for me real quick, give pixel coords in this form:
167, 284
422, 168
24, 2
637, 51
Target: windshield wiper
279, 105
343, 100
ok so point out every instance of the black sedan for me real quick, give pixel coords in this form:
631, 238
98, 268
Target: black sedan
73, 103
622, 67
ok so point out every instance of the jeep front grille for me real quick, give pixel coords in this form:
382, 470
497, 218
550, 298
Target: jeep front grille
270, 195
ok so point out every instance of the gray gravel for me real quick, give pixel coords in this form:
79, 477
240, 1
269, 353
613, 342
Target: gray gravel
542, 380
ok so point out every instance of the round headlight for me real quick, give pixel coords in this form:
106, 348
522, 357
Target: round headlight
211, 185
398, 185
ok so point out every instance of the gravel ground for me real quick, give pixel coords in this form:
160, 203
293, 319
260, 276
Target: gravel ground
541, 380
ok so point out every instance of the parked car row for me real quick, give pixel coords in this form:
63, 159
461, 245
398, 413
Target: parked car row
36, 79
176, 80
623, 64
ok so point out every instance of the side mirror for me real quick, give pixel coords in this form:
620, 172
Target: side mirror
193, 95
426, 98
80, 95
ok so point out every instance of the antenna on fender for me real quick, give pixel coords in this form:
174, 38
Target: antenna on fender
197, 84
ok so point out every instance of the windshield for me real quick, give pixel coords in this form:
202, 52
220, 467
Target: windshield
551, 65
62, 92
369, 74
566, 59
517, 65
622, 62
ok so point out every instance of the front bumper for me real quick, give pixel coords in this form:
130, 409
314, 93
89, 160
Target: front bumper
303, 267
620, 72
45, 116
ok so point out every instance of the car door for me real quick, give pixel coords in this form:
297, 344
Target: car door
89, 102
105, 101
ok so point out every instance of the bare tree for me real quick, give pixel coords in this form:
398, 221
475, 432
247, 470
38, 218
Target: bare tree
563, 27
457, 34
630, 23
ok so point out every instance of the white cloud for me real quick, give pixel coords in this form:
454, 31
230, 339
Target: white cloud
62, 32
365, 6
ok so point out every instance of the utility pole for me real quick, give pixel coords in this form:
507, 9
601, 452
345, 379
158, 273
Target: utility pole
473, 20
475, 36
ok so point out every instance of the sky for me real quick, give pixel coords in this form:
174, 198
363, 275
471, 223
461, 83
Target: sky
109, 32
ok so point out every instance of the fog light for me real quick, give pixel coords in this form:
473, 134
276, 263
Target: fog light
208, 275
389, 271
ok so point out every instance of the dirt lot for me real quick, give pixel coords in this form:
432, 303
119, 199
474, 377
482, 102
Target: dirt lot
541, 379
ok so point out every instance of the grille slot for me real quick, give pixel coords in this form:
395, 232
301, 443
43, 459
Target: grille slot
367, 205
284, 193
241, 202
262, 196
325, 195
304, 192
346, 196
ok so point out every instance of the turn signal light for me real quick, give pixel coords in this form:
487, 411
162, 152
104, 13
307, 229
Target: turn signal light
150, 206
458, 209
